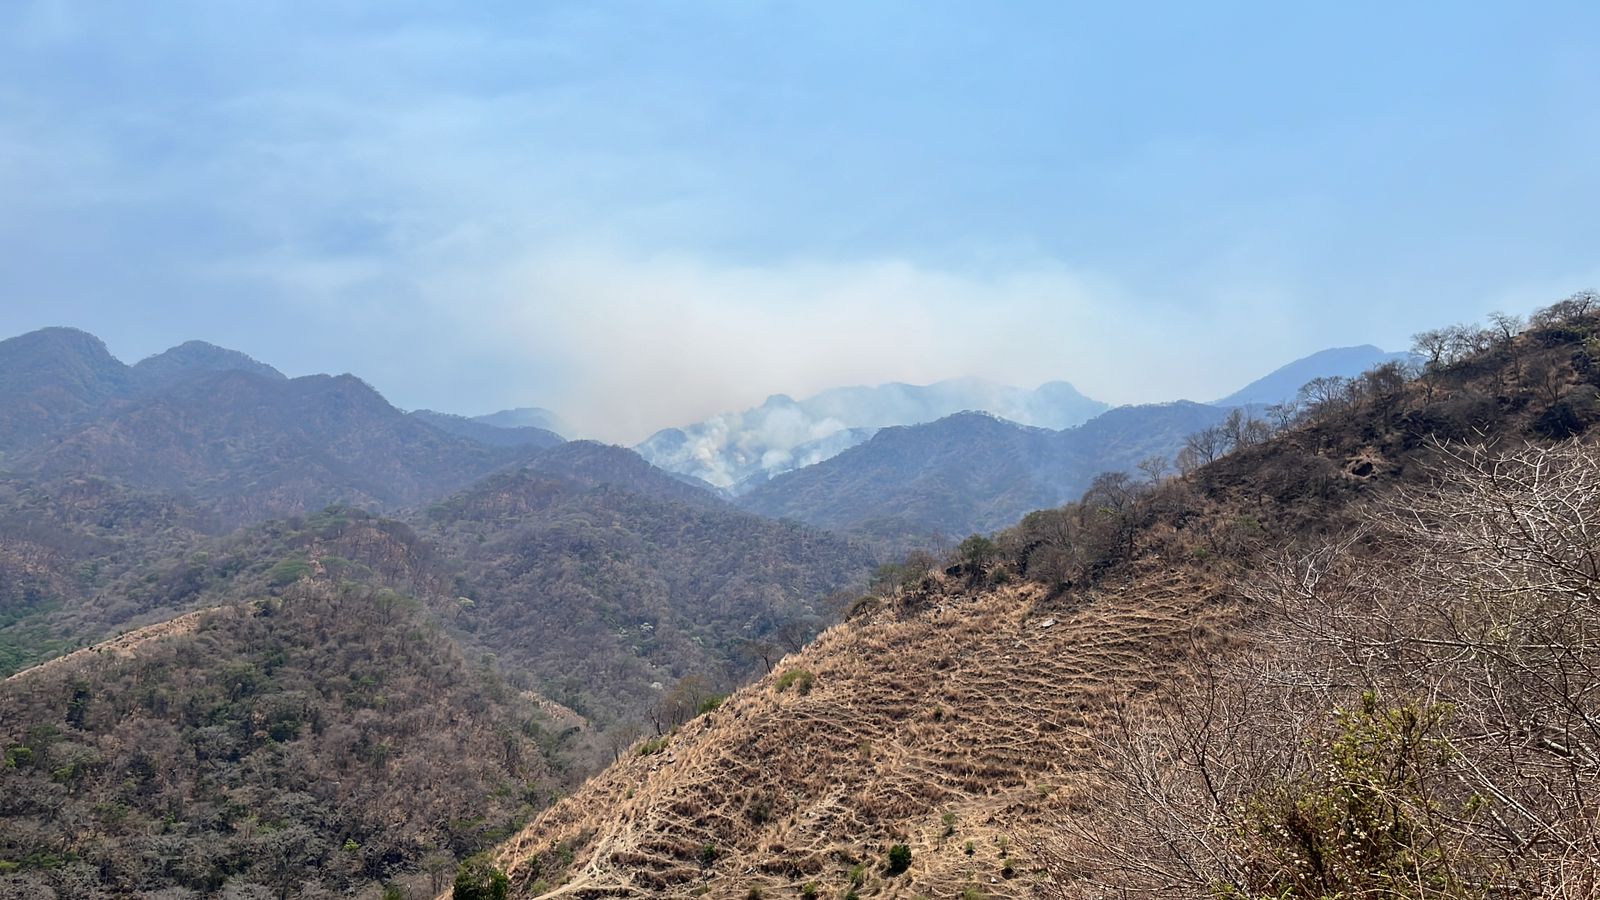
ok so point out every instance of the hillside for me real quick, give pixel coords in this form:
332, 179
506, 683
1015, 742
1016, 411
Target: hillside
330, 738
588, 571
50, 379
971, 472
599, 576
255, 447
63, 542
195, 358
1003, 718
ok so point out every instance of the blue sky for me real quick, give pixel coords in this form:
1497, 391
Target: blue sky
640, 214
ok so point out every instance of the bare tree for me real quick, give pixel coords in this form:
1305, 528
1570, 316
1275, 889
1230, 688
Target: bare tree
1111, 490
1282, 416
1577, 306
1154, 468
1187, 460
1206, 444
1437, 671
1324, 395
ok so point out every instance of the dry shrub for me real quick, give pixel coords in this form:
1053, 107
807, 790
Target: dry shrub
1420, 717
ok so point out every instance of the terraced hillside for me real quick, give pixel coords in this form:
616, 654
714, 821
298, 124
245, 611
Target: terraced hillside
955, 722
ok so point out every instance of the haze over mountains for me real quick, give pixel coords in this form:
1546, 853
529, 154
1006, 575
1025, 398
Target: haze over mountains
740, 451
897, 463
302, 602
737, 451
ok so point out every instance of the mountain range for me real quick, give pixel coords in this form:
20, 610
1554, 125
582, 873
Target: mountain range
1269, 676
270, 636
971, 472
737, 451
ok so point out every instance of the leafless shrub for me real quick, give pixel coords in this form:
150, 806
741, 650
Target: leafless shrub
1464, 615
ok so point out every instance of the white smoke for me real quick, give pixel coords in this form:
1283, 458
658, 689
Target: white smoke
738, 450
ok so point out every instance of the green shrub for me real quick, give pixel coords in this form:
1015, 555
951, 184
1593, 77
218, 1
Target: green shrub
653, 746
799, 679
1364, 822
977, 553
288, 571
899, 859
478, 879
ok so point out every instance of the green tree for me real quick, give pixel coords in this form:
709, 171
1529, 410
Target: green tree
478, 879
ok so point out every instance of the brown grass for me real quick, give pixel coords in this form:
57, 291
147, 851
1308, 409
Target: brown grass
980, 707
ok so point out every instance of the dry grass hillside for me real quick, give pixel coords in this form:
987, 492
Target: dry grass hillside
955, 722
968, 712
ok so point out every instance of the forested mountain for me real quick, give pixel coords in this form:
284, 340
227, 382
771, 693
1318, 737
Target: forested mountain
55, 378
599, 589
288, 706
325, 740
50, 379
257, 447
971, 472
193, 358
1350, 655
231, 432
524, 417
360, 737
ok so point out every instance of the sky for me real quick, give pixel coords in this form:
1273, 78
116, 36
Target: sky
640, 214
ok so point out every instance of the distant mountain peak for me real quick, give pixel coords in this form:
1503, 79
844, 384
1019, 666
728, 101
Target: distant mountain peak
525, 417
1284, 383
58, 339
192, 358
